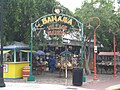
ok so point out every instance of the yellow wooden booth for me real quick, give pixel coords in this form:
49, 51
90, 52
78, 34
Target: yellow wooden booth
16, 57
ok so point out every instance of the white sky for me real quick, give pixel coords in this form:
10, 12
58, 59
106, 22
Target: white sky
71, 4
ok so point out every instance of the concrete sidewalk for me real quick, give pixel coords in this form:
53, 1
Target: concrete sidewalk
36, 86
52, 81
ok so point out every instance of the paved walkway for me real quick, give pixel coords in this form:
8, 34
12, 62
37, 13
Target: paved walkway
53, 81
36, 86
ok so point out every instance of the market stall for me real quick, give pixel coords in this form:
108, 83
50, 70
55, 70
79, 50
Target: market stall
65, 62
15, 58
39, 62
106, 62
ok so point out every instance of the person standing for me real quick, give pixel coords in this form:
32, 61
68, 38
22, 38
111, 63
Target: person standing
37, 65
52, 64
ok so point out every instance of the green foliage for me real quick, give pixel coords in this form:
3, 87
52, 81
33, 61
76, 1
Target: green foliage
18, 17
107, 19
20, 13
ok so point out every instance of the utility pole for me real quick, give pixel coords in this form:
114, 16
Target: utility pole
2, 84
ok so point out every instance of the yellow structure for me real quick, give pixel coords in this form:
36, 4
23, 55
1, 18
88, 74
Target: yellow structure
14, 69
16, 57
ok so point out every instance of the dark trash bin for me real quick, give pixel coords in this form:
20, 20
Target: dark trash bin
77, 76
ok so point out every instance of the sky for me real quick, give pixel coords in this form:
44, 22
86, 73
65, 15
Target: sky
71, 4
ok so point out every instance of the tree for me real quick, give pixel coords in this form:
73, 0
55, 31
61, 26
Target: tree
18, 17
20, 13
104, 10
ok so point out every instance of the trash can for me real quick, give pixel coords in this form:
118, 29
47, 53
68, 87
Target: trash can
26, 72
77, 79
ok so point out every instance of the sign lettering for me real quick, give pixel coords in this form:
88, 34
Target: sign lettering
63, 19
55, 24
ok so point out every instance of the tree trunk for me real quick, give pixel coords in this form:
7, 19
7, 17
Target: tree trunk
87, 55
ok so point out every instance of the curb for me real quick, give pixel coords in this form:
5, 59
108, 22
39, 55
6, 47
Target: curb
114, 87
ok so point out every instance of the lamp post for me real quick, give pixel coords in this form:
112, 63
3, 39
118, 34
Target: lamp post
114, 43
2, 84
114, 46
31, 77
95, 47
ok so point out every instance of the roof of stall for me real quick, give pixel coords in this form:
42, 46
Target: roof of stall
107, 53
17, 45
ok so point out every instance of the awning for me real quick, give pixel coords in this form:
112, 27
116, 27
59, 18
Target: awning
27, 50
5, 51
119, 54
108, 53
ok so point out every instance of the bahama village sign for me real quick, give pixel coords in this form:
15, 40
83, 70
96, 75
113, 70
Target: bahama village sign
61, 22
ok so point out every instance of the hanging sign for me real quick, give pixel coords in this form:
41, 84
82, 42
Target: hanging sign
95, 49
5, 68
61, 19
